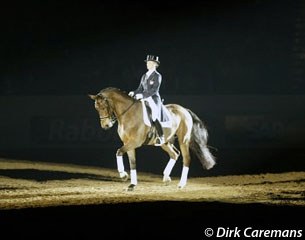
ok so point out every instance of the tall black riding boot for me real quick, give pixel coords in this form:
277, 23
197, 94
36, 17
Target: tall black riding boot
160, 138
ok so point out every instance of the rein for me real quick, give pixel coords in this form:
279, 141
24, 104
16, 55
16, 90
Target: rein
125, 111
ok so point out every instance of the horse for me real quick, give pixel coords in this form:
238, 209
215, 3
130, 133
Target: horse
113, 104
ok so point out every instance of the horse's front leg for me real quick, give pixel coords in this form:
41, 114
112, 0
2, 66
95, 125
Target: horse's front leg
132, 162
120, 166
133, 172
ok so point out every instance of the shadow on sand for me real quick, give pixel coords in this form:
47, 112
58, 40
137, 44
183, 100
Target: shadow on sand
46, 175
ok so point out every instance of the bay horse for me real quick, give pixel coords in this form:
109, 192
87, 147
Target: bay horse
113, 104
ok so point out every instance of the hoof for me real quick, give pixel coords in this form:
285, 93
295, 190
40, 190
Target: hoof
166, 180
181, 185
124, 176
131, 187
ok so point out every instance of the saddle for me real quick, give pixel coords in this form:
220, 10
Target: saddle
165, 120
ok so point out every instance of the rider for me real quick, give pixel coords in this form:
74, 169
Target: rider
148, 90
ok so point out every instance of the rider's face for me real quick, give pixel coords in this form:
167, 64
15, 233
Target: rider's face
151, 65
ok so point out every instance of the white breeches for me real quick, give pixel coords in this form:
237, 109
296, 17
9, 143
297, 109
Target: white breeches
155, 111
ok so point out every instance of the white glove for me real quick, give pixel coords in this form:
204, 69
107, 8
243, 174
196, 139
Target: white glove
131, 94
139, 96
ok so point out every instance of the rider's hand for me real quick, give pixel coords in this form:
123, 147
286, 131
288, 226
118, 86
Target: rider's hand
139, 96
131, 94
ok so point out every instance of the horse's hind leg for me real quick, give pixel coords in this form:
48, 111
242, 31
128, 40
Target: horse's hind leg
184, 147
173, 154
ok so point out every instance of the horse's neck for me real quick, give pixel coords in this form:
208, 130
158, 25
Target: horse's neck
120, 103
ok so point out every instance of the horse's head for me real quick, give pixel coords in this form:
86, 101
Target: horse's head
106, 114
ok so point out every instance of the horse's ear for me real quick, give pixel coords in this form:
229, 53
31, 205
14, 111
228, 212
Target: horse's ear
93, 97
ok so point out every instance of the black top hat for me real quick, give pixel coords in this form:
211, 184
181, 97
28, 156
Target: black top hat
152, 58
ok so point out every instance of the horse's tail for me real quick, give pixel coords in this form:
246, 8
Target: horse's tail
198, 143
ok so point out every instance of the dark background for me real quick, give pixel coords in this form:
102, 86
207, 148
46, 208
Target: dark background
208, 47
238, 64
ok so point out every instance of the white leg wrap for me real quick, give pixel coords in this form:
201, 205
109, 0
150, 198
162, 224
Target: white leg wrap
133, 177
119, 160
184, 174
168, 169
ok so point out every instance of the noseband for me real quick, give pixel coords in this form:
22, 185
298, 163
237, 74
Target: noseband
111, 116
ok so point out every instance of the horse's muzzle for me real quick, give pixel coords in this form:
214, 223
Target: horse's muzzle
107, 126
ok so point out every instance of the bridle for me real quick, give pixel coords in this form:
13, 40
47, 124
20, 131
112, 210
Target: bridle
113, 118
